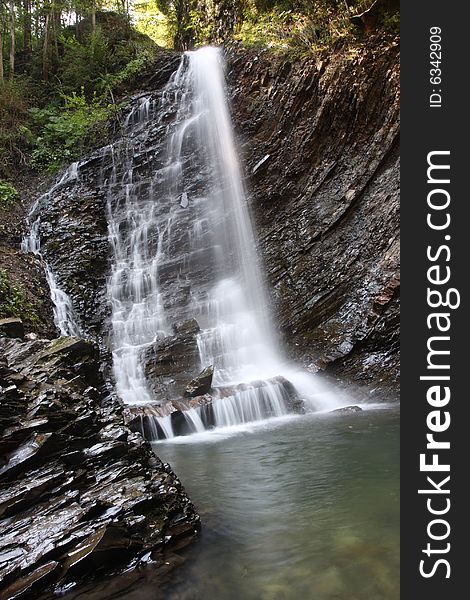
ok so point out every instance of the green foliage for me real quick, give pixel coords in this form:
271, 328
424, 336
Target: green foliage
391, 22
8, 194
14, 302
82, 63
301, 27
151, 21
109, 83
68, 131
54, 114
267, 29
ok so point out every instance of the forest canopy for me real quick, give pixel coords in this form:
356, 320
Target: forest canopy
64, 63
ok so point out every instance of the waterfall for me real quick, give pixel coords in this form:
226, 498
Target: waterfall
185, 224
232, 310
64, 315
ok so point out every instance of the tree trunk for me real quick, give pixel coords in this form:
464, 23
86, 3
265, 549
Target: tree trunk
1, 51
45, 50
12, 38
27, 26
184, 36
93, 17
54, 29
37, 7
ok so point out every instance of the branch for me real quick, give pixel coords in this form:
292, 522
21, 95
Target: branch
365, 11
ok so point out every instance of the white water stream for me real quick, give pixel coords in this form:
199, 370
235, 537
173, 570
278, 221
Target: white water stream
219, 261
64, 314
183, 247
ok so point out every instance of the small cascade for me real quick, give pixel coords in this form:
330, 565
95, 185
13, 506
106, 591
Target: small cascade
136, 234
65, 318
250, 404
183, 248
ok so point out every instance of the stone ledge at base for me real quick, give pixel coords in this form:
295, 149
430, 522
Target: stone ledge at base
144, 418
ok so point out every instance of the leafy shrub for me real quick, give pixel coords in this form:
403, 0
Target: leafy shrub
270, 29
110, 82
8, 194
82, 63
68, 131
302, 26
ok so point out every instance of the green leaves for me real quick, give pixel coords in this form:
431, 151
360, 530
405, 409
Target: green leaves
8, 194
70, 130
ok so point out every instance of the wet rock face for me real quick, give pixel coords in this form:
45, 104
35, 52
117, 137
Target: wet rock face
320, 147
201, 384
24, 291
170, 362
81, 494
11, 327
319, 141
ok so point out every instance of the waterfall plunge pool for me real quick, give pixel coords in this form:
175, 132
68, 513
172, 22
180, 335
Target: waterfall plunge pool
299, 508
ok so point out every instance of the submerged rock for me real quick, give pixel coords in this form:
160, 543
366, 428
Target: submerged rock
80, 493
201, 384
347, 409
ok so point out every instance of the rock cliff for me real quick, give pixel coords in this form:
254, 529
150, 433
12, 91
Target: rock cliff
80, 494
320, 141
319, 144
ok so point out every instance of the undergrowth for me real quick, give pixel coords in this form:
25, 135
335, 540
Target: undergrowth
8, 194
14, 302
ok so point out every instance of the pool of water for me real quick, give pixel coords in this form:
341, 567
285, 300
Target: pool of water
302, 508
299, 508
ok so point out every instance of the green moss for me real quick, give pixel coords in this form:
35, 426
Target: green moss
52, 245
14, 302
8, 195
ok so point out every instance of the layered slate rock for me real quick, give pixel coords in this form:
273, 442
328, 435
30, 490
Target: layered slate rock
321, 148
171, 361
81, 495
11, 327
200, 385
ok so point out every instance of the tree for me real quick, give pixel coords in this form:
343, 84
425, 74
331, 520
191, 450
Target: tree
27, 26
2, 27
12, 38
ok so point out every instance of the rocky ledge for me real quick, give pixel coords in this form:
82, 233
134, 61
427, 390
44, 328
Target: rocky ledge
145, 418
81, 495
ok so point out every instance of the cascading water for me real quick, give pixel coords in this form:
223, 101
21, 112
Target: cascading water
187, 224
64, 314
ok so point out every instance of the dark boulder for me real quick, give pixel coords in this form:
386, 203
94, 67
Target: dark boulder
170, 361
201, 384
12, 328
